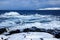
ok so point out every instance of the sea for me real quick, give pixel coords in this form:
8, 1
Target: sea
29, 12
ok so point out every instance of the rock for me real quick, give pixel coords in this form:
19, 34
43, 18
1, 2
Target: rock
2, 30
14, 31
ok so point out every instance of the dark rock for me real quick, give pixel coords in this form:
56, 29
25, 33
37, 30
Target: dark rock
26, 30
2, 30
14, 31
34, 29
57, 34
41, 38
50, 31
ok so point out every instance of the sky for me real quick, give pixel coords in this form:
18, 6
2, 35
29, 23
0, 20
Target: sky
28, 4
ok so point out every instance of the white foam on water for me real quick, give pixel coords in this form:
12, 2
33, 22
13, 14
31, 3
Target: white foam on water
16, 21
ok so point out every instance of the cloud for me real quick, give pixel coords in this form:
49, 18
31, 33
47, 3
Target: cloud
27, 4
49, 9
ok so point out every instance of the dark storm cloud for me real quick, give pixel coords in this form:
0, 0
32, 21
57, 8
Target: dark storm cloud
27, 4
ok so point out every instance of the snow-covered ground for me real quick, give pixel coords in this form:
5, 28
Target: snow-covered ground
13, 21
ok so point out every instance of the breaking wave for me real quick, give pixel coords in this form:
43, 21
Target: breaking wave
14, 19
35, 25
